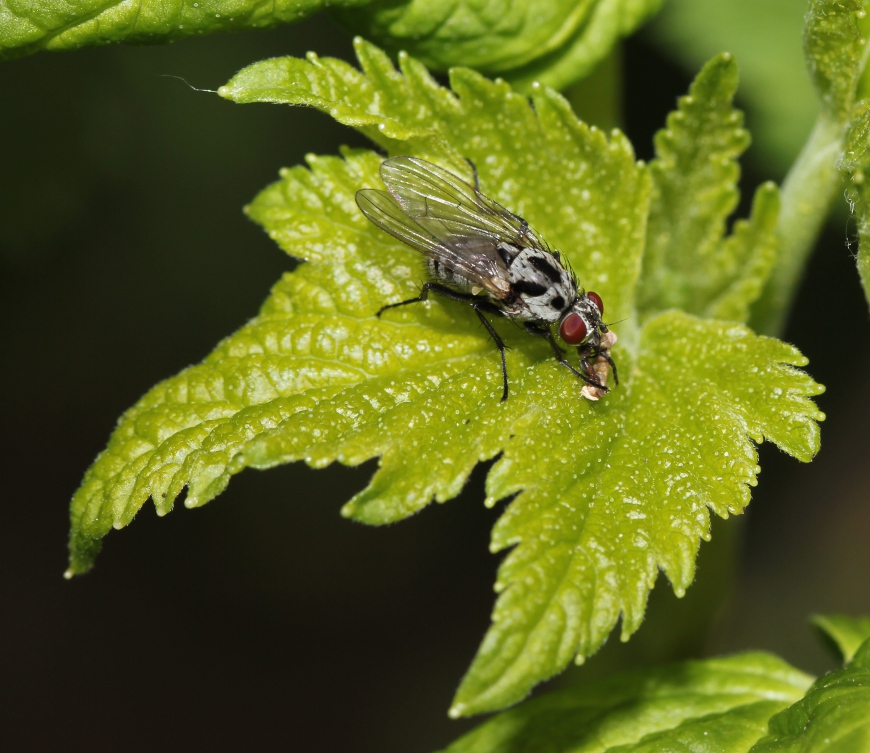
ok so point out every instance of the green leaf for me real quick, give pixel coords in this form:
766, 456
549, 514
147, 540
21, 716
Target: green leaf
608, 492
556, 42
607, 501
717, 704
833, 716
855, 168
847, 632
687, 264
836, 54
27, 26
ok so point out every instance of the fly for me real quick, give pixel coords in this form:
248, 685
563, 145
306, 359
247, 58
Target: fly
482, 255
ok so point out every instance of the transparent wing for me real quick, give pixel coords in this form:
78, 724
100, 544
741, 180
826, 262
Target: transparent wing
446, 206
474, 257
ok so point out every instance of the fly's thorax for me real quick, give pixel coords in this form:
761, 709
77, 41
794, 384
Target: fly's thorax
541, 288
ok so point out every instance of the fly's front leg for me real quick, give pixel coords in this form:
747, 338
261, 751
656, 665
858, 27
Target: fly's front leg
479, 307
545, 332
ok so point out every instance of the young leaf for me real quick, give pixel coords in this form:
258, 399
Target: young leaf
847, 632
834, 715
32, 25
717, 704
836, 54
609, 492
687, 264
556, 42
855, 167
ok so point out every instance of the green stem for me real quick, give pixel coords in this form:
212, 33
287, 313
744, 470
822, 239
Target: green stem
807, 194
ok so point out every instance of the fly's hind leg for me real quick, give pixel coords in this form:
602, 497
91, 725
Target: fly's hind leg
479, 307
545, 332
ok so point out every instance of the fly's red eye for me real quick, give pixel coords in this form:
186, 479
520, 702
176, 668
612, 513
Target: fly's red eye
573, 329
596, 299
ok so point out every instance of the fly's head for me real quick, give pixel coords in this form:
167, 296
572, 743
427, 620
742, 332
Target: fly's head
582, 325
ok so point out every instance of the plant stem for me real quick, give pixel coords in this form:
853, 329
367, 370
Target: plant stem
807, 194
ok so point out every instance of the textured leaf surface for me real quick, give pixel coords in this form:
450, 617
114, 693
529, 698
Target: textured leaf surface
715, 705
833, 716
556, 42
610, 499
27, 26
847, 632
855, 166
608, 492
687, 263
836, 53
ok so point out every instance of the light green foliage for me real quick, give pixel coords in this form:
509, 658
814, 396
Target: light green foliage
27, 26
687, 263
608, 493
713, 705
833, 716
611, 498
847, 632
556, 42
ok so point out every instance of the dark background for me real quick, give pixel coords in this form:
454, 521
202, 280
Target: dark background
264, 620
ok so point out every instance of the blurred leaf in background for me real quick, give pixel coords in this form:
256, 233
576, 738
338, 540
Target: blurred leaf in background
27, 26
765, 38
555, 41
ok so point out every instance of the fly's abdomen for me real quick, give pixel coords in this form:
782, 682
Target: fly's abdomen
443, 273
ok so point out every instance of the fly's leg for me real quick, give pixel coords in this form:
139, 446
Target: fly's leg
476, 176
544, 332
606, 355
479, 307
499, 343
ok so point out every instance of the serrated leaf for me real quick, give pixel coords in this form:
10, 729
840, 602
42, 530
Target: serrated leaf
605, 501
27, 26
316, 377
717, 704
836, 54
834, 715
847, 632
687, 264
556, 42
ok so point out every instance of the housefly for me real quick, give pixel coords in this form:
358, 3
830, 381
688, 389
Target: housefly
481, 254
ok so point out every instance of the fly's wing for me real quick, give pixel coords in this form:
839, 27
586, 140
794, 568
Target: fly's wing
383, 211
472, 256
448, 207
